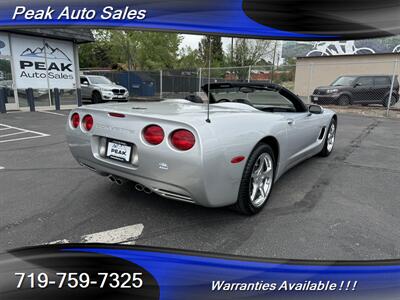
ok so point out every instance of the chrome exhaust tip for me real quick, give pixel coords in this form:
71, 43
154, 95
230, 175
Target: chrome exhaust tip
117, 180
147, 190
139, 187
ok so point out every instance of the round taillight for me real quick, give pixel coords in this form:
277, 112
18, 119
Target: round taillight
87, 122
182, 139
153, 134
75, 120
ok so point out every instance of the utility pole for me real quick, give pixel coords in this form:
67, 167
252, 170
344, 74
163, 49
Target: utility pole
128, 52
273, 62
209, 82
232, 51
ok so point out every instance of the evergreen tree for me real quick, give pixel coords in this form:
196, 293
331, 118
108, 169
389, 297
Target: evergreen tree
217, 52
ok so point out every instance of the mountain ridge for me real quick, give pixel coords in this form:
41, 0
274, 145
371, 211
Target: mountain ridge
54, 53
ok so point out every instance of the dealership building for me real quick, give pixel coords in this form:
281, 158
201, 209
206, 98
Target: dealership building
42, 60
315, 71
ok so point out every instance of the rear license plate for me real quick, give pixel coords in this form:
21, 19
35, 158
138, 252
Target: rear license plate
119, 150
315, 98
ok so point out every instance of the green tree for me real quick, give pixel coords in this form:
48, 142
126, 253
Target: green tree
245, 52
158, 50
132, 50
217, 52
291, 61
123, 47
189, 59
145, 50
251, 52
96, 54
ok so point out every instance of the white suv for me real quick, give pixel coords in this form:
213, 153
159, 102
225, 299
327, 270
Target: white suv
100, 89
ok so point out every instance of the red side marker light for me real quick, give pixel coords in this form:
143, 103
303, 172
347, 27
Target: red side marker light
237, 159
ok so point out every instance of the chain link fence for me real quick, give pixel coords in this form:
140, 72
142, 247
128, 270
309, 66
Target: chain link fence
372, 84
356, 85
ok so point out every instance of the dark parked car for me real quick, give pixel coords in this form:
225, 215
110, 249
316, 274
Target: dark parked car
365, 89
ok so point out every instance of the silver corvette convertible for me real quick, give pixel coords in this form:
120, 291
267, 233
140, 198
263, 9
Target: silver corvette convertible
228, 150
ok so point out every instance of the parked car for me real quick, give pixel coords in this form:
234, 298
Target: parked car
365, 89
230, 152
100, 89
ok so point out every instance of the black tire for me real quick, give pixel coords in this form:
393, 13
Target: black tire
343, 100
393, 100
326, 151
96, 97
244, 204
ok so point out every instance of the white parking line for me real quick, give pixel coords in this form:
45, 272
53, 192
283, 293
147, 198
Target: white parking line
51, 113
26, 130
24, 138
124, 235
10, 134
36, 134
2, 168
64, 241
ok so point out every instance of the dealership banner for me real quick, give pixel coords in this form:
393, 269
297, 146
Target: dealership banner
285, 19
43, 63
84, 271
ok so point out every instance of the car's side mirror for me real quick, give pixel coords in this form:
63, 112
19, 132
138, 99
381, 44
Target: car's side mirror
85, 83
315, 109
358, 84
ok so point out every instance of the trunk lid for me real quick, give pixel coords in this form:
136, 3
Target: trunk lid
177, 110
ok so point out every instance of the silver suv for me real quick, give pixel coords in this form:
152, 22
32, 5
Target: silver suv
100, 89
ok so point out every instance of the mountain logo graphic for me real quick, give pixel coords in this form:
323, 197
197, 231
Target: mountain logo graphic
46, 50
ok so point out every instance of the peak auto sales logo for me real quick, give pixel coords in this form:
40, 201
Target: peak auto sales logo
33, 63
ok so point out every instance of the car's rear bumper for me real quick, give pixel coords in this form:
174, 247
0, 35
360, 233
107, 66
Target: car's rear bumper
108, 96
181, 177
324, 99
85, 151
161, 188
114, 98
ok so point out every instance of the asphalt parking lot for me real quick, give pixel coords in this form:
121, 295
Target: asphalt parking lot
346, 206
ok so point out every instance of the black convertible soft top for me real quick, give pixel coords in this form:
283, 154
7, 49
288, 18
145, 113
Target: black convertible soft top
297, 102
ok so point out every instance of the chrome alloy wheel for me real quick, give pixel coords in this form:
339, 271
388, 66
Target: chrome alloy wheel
261, 179
331, 137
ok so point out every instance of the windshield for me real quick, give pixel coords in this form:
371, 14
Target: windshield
257, 97
99, 80
344, 80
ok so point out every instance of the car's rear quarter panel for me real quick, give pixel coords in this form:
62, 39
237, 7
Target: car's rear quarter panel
230, 136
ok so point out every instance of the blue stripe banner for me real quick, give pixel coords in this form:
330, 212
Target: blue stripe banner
280, 19
150, 273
